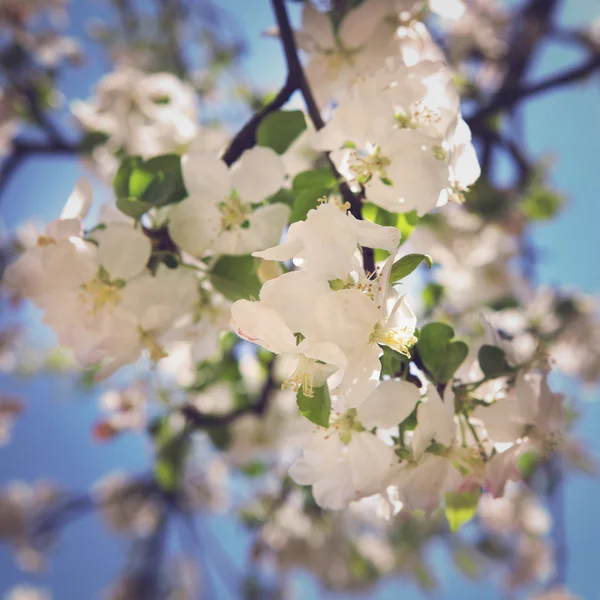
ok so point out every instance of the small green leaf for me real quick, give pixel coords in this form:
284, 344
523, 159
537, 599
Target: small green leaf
406, 222
542, 204
439, 353
492, 361
407, 264
461, 508
432, 295
316, 409
171, 450
139, 185
278, 130
322, 178
235, 277
527, 463
305, 201
254, 468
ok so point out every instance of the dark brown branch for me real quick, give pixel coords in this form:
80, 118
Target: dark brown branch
246, 137
296, 72
198, 419
24, 149
530, 29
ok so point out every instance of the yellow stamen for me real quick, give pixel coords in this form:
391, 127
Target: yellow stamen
100, 294
302, 377
398, 339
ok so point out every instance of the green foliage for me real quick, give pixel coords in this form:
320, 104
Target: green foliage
309, 187
492, 361
440, 355
317, 408
92, 139
141, 185
279, 129
235, 277
406, 223
254, 468
541, 204
461, 508
432, 295
527, 464
171, 451
407, 264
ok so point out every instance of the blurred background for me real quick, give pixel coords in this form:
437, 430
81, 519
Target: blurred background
52, 438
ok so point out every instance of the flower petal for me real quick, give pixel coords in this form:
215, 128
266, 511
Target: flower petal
390, 404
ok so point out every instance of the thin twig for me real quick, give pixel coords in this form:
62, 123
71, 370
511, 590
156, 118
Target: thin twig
296, 73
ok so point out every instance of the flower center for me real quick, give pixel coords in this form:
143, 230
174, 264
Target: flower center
100, 293
45, 240
399, 339
365, 167
155, 350
302, 377
346, 424
234, 212
419, 114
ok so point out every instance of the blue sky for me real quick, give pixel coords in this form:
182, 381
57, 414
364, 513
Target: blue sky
52, 439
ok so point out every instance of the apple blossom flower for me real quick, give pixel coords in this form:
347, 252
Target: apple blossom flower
345, 461
222, 212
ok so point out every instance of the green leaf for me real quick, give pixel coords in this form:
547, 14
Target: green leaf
305, 201
278, 130
527, 464
492, 361
235, 277
432, 295
283, 196
439, 353
406, 222
542, 204
171, 450
407, 264
254, 468
139, 185
317, 408
132, 207
322, 178
461, 508
92, 139
310, 187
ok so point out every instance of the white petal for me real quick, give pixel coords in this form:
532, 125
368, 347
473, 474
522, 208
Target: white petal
265, 227
257, 175
361, 375
320, 456
122, 250
262, 325
205, 176
345, 318
390, 404
293, 295
316, 27
325, 352
499, 420
372, 235
79, 201
370, 461
435, 421
194, 227
335, 490
291, 248
358, 25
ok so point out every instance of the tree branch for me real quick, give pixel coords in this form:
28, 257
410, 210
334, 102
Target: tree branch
246, 137
24, 149
296, 73
201, 420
